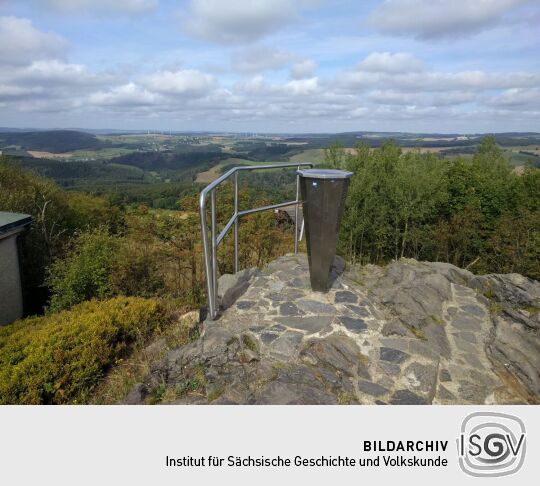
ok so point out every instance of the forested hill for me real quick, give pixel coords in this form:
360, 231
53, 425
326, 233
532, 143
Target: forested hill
58, 141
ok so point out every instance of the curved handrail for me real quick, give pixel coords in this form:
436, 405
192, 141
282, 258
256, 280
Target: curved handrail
210, 252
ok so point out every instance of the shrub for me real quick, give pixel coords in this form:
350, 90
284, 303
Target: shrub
85, 273
57, 216
59, 359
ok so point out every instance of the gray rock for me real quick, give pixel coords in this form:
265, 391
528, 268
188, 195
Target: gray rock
464, 322
268, 337
301, 283
393, 355
290, 309
339, 265
516, 347
287, 344
336, 352
279, 393
472, 392
371, 388
407, 397
474, 310
444, 394
389, 369
381, 341
245, 304
361, 311
512, 289
345, 296
469, 337
394, 328
231, 287
311, 324
314, 307
352, 324
424, 349
421, 378
472, 360
135, 396
247, 356
444, 375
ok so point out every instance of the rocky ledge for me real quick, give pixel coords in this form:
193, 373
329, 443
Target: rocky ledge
409, 333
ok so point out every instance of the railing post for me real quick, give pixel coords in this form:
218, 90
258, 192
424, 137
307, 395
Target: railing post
236, 265
296, 213
207, 260
213, 309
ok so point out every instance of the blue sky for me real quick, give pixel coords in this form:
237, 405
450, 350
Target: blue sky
271, 65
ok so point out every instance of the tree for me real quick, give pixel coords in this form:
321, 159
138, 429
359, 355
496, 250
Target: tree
334, 155
86, 272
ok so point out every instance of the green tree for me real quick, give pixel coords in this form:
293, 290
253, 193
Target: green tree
86, 272
334, 155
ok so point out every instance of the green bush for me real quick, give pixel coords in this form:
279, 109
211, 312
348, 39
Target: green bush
59, 359
85, 273
57, 216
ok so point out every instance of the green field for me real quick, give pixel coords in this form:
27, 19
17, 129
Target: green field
209, 175
315, 156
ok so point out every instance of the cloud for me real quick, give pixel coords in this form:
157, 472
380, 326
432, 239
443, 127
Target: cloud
387, 62
127, 96
436, 19
187, 82
380, 76
236, 21
21, 42
396, 97
518, 98
261, 58
303, 69
119, 7
302, 87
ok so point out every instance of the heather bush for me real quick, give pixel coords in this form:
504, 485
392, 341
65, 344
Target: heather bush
60, 358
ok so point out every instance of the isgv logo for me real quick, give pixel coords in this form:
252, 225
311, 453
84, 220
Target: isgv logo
491, 444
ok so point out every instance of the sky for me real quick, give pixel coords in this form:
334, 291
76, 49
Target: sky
460, 66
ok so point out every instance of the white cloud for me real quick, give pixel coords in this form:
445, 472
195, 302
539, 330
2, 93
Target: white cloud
438, 81
303, 69
236, 21
396, 97
387, 62
518, 98
21, 42
261, 58
10, 92
187, 82
127, 7
302, 87
433, 19
128, 95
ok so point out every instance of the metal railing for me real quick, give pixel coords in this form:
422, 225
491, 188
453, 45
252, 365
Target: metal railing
210, 249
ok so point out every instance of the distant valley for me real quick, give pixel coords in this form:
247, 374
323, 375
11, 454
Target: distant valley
158, 167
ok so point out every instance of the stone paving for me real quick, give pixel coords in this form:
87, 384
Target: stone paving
412, 333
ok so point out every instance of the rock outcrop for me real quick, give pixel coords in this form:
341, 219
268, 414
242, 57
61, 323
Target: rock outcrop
410, 333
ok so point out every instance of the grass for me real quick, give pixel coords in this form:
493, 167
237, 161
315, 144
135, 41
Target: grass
195, 381
127, 373
345, 398
316, 156
213, 173
495, 308
531, 309
249, 342
418, 333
